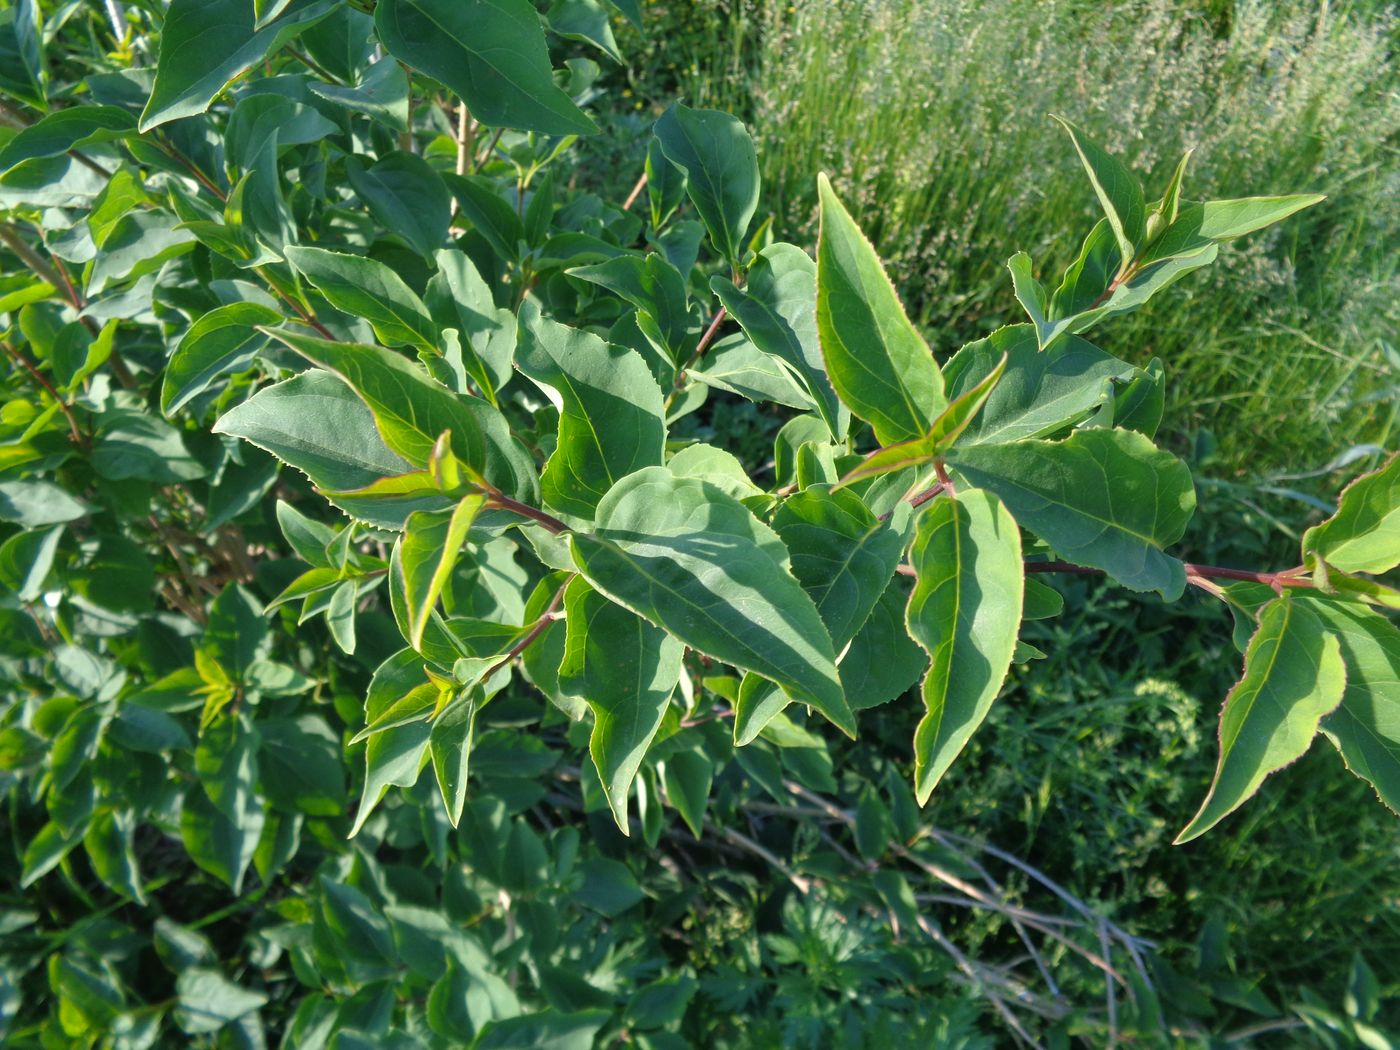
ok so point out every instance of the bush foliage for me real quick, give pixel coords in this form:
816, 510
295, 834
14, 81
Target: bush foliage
387, 662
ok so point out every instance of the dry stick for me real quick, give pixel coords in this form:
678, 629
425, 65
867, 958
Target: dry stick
949, 878
636, 192
75, 434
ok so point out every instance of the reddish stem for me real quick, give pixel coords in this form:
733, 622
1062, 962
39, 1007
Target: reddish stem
548, 521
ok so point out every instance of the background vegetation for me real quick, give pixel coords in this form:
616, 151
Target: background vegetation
931, 116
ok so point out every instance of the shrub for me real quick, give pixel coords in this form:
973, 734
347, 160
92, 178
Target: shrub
333, 410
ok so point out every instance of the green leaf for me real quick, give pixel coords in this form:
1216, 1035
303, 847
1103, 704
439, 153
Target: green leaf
627, 670
407, 196
33, 504
721, 168
1364, 534
688, 776
584, 20
658, 542
133, 444
26, 559
965, 610
492, 53
877, 361
208, 1001
611, 419
547, 1030
316, 423
656, 289
429, 549
1040, 393
882, 661
381, 94
109, 841
490, 213
450, 746
410, 410
369, 289
842, 554
1293, 675
221, 341
1365, 728
946, 430
220, 846
301, 766
204, 44
1119, 193
1215, 222
459, 298
665, 184
1108, 499
777, 308
67, 129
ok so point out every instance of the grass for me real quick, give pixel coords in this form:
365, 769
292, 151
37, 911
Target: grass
932, 117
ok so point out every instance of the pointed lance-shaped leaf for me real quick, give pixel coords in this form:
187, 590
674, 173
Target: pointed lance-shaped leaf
410, 410
1118, 190
1365, 727
965, 610
626, 669
429, 549
1293, 676
369, 289
877, 361
777, 308
946, 430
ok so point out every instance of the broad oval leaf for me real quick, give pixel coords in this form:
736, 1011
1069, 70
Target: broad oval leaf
411, 410
1293, 676
965, 610
1108, 499
611, 419
315, 423
492, 53
1041, 391
697, 563
877, 361
408, 197
721, 168
842, 554
1365, 727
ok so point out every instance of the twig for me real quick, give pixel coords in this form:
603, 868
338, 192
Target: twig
700, 348
466, 137
75, 435
541, 625
636, 192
